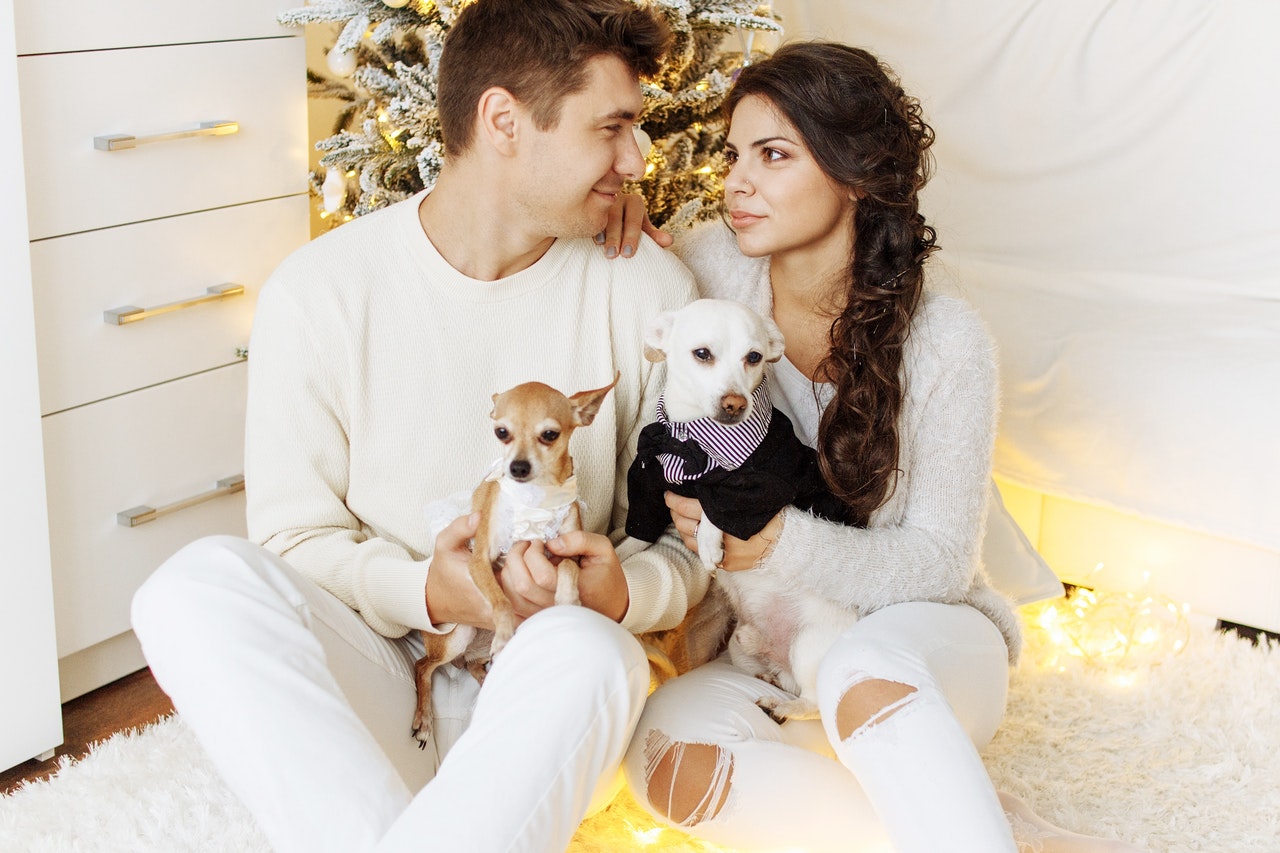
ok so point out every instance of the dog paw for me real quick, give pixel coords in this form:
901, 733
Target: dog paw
710, 544
711, 556
422, 731
781, 710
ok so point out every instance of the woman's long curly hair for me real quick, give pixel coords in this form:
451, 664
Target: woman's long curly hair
865, 133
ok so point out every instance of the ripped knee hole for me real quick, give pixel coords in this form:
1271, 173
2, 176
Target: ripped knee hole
687, 782
870, 702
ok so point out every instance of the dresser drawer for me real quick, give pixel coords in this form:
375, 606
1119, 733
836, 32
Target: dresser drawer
44, 27
69, 99
153, 265
154, 447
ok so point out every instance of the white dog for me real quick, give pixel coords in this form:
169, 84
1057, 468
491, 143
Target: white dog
719, 439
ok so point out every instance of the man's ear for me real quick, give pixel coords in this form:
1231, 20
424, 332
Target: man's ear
657, 336
498, 118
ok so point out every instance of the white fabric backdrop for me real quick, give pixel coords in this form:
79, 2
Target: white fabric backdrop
1108, 194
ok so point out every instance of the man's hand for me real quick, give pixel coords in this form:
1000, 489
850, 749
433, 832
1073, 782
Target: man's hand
451, 594
739, 554
601, 584
627, 218
528, 576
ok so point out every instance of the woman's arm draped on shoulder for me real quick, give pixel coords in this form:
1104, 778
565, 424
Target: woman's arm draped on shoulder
297, 460
932, 552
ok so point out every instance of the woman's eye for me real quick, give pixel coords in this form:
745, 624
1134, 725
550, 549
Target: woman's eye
731, 157
550, 436
702, 354
772, 155
502, 434
754, 358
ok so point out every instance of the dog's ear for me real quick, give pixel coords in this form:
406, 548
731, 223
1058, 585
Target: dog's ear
493, 413
657, 335
586, 404
777, 342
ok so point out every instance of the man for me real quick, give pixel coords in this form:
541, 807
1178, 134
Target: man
375, 351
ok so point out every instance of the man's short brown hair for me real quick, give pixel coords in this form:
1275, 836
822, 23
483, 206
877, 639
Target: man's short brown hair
538, 50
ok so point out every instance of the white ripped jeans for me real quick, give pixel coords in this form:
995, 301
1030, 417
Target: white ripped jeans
906, 777
306, 712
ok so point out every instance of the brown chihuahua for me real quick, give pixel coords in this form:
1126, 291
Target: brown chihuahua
531, 495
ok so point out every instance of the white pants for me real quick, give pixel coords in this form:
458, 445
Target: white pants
306, 712
909, 781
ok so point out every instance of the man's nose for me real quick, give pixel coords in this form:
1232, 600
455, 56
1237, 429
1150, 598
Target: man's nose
631, 163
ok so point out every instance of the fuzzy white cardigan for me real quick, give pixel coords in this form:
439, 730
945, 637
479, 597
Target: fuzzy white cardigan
925, 542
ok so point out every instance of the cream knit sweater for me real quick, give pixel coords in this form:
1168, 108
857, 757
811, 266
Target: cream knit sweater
370, 375
924, 544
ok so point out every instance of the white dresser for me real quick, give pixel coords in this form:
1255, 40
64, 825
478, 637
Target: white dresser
166, 166
30, 724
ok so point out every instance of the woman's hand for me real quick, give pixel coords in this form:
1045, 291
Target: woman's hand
627, 219
739, 554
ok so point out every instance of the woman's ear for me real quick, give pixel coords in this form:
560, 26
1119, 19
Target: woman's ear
497, 119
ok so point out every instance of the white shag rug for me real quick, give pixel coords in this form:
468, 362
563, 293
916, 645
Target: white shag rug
1182, 755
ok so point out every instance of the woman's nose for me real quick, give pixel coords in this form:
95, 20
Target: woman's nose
736, 181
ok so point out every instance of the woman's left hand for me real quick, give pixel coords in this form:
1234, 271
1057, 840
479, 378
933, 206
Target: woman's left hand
739, 554
627, 219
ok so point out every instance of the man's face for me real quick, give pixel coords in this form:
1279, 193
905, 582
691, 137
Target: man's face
569, 175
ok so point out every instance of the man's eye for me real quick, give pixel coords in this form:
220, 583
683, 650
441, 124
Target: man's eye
754, 358
702, 354
502, 434
549, 436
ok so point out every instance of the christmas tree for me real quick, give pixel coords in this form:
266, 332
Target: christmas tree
386, 145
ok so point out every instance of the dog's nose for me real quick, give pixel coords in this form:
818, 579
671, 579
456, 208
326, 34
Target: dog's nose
733, 405
520, 468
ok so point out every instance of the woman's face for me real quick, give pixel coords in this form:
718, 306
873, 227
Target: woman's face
777, 196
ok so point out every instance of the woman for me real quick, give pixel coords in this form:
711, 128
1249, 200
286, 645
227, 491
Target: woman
896, 388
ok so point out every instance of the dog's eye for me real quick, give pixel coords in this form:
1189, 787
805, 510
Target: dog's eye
702, 354
503, 434
549, 436
754, 357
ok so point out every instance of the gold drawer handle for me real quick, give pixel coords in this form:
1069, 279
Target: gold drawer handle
143, 514
132, 313
121, 141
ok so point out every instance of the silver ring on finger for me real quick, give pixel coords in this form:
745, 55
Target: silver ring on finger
696, 525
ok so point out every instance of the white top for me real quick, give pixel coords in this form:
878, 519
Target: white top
372, 367
799, 398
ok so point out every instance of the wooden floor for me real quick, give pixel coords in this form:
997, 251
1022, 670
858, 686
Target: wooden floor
133, 701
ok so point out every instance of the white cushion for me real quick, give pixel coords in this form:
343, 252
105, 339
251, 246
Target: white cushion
1013, 566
